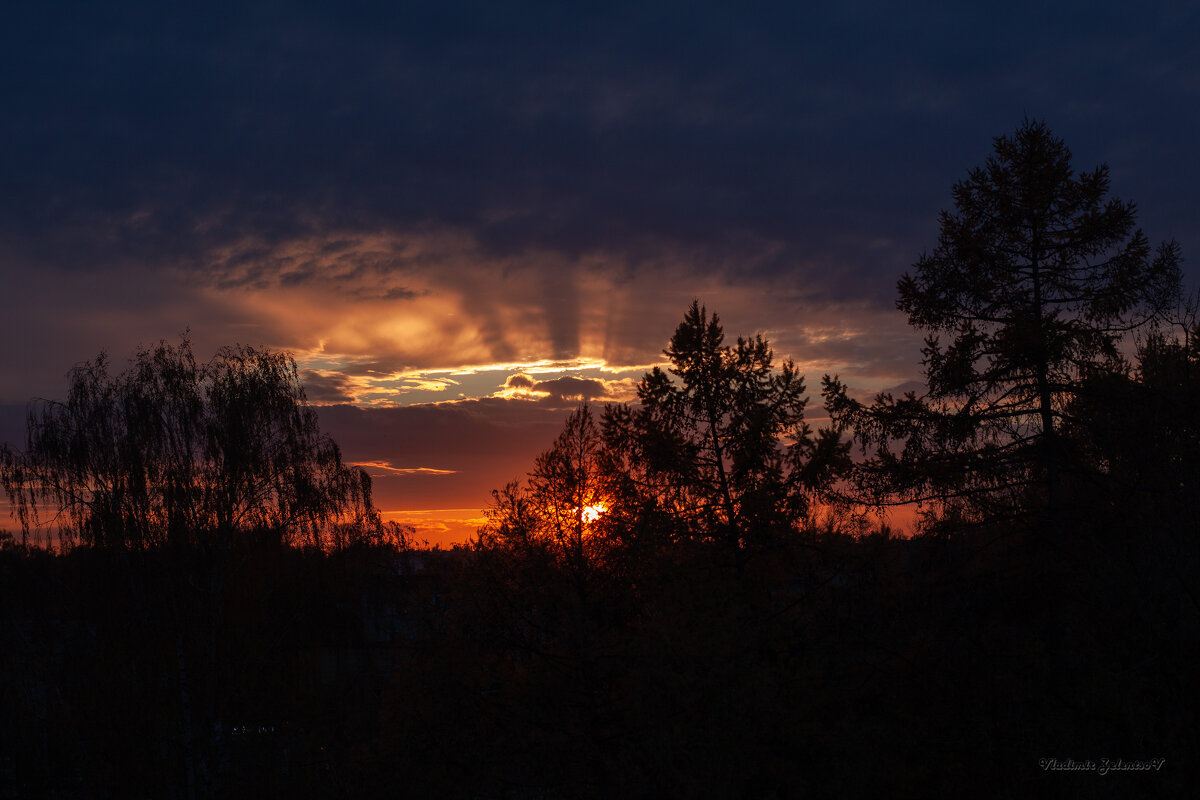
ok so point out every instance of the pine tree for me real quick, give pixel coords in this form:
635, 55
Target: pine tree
720, 444
1037, 277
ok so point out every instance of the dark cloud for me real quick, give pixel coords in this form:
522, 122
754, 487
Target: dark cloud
519, 381
160, 135
568, 388
565, 391
326, 389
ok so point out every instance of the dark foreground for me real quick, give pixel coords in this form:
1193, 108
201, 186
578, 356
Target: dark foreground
989, 663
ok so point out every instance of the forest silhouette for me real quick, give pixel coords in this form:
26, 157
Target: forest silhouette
696, 594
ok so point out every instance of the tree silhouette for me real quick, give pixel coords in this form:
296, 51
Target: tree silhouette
720, 445
1036, 278
181, 471
1145, 459
564, 505
171, 451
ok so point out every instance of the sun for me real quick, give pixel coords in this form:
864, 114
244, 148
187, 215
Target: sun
592, 513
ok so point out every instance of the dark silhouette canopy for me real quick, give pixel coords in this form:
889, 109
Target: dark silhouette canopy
1036, 279
172, 451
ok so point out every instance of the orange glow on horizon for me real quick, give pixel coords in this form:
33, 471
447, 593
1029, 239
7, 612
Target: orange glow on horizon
443, 528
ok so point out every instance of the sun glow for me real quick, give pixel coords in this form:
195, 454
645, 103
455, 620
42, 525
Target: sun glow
592, 513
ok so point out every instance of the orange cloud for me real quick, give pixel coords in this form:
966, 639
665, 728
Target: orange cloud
380, 469
394, 316
443, 527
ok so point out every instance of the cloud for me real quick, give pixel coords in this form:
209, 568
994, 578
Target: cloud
567, 389
519, 382
164, 136
326, 389
464, 185
472, 314
380, 469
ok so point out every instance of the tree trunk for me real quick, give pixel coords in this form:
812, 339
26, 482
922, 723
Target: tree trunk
1049, 442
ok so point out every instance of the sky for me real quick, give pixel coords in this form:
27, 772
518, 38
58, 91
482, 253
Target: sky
462, 219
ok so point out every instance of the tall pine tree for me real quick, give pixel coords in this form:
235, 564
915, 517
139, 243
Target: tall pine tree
1036, 278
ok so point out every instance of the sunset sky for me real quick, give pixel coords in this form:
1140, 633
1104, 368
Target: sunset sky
464, 218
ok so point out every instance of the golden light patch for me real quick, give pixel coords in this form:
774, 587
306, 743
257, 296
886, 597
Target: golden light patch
445, 527
383, 469
592, 513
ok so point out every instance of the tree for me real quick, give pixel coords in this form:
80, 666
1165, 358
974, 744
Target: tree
181, 471
1146, 464
720, 445
174, 452
1036, 279
564, 504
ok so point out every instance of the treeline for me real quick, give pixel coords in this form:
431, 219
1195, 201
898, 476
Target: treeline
690, 595
122, 673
